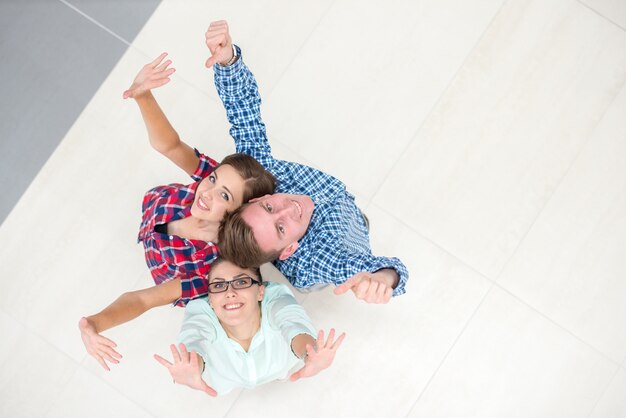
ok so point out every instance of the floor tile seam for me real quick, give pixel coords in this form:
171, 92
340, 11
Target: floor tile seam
95, 22
606, 388
556, 323
452, 346
56, 400
431, 241
439, 99
608, 19
302, 45
561, 180
24, 326
115, 389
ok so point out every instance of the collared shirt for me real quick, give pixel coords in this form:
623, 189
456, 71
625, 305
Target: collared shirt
336, 245
171, 256
269, 357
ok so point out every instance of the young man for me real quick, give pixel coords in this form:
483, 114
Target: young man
311, 227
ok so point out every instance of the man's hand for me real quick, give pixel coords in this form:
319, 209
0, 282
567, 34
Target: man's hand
152, 75
186, 369
219, 43
371, 287
98, 347
320, 358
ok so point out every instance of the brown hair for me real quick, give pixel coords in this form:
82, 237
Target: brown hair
257, 180
237, 244
255, 270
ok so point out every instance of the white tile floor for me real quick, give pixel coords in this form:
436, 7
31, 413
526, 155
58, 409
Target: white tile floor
486, 141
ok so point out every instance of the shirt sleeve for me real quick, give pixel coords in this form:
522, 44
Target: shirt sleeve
239, 93
336, 266
197, 331
206, 165
287, 315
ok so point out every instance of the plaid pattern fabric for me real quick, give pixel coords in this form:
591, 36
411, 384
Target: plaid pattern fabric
170, 256
336, 245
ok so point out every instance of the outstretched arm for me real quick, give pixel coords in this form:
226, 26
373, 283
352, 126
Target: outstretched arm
125, 308
239, 93
161, 134
318, 354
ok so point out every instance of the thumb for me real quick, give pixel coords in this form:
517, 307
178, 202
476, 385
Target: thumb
208, 389
127, 94
210, 62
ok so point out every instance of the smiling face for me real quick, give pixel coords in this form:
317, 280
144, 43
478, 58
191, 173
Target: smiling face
235, 307
278, 221
220, 192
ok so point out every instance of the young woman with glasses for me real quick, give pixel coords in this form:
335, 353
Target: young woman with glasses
246, 333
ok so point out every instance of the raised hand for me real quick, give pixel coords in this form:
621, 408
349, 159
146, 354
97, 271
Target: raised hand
219, 43
321, 357
99, 347
152, 75
367, 287
186, 369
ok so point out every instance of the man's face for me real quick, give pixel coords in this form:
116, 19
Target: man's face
279, 220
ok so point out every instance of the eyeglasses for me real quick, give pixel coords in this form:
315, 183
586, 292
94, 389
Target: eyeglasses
237, 284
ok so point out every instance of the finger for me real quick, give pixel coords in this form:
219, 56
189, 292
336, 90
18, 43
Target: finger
108, 357
175, 353
208, 389
387, 295
320, 338
361, 289
210, 62
297, 375
127, 94
163, 66
110, 351
331, 335
102, 363
158, 60
104, 341
338, 342
184, 354
373, 291
162, 361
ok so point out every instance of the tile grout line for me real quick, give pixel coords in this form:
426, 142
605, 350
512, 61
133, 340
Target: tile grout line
445, 357
95, 22
606, 388
554, 322
439, 99
601, 15
556, 187
282, 74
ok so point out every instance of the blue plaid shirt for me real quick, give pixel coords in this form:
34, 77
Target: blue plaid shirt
336, 244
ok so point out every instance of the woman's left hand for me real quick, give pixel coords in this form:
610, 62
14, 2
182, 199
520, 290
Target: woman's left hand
321, 357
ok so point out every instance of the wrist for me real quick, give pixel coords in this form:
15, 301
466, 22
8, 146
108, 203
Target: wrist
232, 59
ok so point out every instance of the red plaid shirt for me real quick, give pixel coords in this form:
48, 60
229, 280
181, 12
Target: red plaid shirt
170, 256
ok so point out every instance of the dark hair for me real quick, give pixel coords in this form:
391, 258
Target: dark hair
255, 270
257, 180
237, 244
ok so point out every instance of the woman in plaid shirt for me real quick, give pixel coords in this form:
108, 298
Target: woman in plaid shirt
180, 222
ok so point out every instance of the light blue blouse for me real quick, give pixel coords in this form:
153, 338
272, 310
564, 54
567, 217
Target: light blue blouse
269, 357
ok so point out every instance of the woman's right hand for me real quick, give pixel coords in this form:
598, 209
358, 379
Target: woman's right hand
98, 347
186, 369
152, 75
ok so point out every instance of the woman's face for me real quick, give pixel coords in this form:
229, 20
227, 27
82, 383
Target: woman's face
220, 192
234, 307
